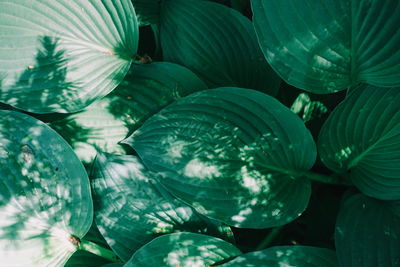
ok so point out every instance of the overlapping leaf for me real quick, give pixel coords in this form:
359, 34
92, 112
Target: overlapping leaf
44, 194
287, 256
132, 208
233, 154
184, 250
148, 11
216, 42
368, 232
325, 46
362, 139
144, 91
60, 56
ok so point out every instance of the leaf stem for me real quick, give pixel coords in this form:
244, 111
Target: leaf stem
269, 238
98, 250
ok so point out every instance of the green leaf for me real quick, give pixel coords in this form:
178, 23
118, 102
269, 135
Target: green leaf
368, 232
82, 258
184, 250
302, 256
361, 137
148, 11
132, 208
144, 91
325, 46
234, 154
62, 56
217, 43
44, 194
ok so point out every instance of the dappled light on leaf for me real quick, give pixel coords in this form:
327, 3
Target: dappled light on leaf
362, 137
51, 65
132, 208
144, 91
227, 152
45, 195
184, 250
326, 46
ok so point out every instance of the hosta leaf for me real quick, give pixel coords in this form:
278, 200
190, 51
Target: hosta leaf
325, 46
63, 55
301, 256
217, 43
132, 208
233, 154
86, 259
362, 137
44, 194
368, 232
148, 11
184, 250
144, 91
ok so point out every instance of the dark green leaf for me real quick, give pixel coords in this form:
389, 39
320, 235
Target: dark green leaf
324, 46
184, 250
368, 232
60, 56
132, 208
216, 42
231, 153
299, 256
44, 194
362, 138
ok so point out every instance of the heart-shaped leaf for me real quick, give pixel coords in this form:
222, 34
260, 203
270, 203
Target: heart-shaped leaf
132, 208
325, 46
45, 200
368, 232
184, 250
62, 56
362, 137
144, 91
216, 42
302, 256
233, 154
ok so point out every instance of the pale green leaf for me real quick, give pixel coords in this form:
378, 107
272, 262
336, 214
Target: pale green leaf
60, 56
144, 91
44, 194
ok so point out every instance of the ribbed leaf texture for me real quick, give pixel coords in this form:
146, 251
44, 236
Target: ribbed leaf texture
60, 56
361, 138
323, 46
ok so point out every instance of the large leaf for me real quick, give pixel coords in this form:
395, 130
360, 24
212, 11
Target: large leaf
324, 46
132, 208
216, 42
368, 232
234, 154
362, 137
82, 258
300, 256
45, 196
63, 55
184, 250
144, 91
